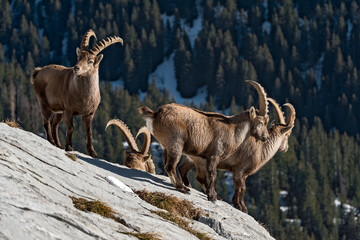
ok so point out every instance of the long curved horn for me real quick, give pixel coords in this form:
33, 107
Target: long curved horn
279, 112
125, 131
291, 120
86, 38
147, 139
264, 107
105, 43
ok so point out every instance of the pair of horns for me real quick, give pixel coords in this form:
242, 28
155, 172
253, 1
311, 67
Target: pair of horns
264, 106
130, 138
100, 45
280, 114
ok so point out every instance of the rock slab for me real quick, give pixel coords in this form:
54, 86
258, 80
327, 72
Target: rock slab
37, 180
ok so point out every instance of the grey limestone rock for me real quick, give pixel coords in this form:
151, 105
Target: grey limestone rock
37, 180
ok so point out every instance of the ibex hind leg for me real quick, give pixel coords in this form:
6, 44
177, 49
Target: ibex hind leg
172, 159
56, 119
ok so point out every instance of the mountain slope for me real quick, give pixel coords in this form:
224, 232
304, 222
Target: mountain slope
38, 179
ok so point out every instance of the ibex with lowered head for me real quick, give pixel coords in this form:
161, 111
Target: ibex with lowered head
211, 136
134, 158
248, 158
69, 91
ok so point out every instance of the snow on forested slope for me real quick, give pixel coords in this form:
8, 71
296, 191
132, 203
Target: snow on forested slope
164, 75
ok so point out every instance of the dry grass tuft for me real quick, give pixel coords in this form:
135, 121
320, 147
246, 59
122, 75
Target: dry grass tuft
143, 236
265, 226
177, 210
104, 210
71, 156
12, 123
97, 207
184, 224
172, 204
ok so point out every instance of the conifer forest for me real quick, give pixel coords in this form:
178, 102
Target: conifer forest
304, 52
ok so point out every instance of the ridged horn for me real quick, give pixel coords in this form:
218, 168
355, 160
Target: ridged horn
125, 131
105, 43
279, 112
147, 139
86, 38
264, 106
291, 120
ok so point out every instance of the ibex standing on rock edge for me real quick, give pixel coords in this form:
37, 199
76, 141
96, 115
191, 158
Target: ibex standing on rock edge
69, 91
250, 156
211, 136
134, 158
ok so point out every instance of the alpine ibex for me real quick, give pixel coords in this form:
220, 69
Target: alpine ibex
134, 158
250, 156
212, 136
69, 91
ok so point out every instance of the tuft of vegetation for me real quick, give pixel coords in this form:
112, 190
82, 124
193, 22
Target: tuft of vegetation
104, 210
71, 156
172, 204
96, 206
177, 210
184, 224
12, 123
143, 236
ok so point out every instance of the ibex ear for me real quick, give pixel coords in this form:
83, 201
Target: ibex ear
285, 130
273, 122
98, 59
147, 157
252, 113
78, 52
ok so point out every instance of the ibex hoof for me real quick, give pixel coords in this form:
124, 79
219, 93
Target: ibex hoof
183, 189
241, 208
212, 198
68, 148
244, 209
93, 154
237, 206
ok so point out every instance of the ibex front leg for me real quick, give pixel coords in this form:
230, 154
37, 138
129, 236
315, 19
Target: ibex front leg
68, 118
87, 120
185, 166
237, 190
211, 175
242, 193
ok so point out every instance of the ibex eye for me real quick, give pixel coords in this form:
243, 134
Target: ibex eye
91, 62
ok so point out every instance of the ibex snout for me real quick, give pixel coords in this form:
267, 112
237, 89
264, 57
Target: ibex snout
76, 68
283, 148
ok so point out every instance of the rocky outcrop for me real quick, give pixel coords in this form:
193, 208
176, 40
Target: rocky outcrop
37, 180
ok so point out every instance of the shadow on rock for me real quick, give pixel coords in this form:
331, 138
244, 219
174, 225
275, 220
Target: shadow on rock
128, 173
